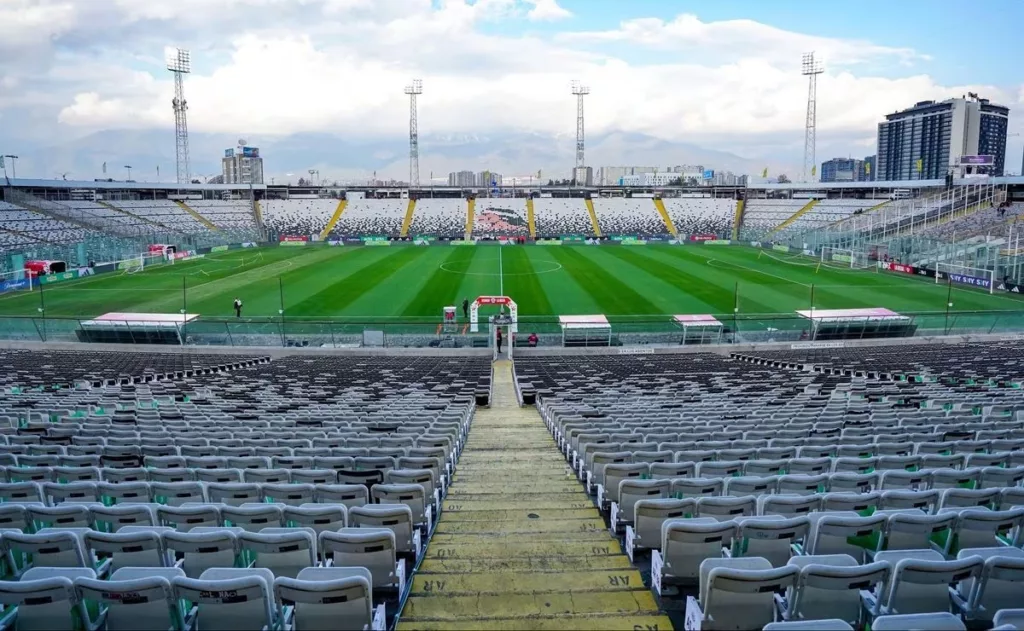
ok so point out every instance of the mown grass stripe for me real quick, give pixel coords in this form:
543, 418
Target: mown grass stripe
439, 285
341, 294
523, 282
611, 294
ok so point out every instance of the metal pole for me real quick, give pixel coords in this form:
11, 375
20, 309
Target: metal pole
735, 311
280, 291
184, 310
42, 304
949, 301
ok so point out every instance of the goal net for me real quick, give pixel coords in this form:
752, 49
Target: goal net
18, 280
132, 265
840, 257
963, 275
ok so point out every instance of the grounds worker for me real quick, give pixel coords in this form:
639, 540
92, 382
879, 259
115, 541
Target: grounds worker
465, 307
238, 308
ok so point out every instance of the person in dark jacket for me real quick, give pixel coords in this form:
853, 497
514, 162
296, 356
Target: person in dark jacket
465, 307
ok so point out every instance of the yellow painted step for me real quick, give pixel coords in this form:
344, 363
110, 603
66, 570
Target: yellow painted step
554, 565
494, 487
593, 217
195, 215
534, 507
515, 547
594, 538
526, 582
530, 221
798, 214
523, 605
470, 217
455, 514
546, 623
340, 208
659, 205
738, 220
407, 221
526, 527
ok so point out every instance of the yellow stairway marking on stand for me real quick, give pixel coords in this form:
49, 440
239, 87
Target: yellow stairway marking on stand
470, 216
334, 219
659, 204
257, 212
593, 217
738, 220
195, 215
409, 210
519, 545
530, 221
128, 213
876, 206
798, 214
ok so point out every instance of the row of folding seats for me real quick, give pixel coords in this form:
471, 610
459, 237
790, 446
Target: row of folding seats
218, 599
748, 593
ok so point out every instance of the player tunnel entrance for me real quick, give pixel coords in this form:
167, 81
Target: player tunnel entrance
511, 318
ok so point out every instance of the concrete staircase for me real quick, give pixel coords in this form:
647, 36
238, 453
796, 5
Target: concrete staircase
798, 214
195, 215
530, 221
593, 217
470, 217
659, 205
342, 204
409, 210
139, 218
737, 222
519, 545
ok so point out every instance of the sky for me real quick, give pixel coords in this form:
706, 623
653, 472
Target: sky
723, 75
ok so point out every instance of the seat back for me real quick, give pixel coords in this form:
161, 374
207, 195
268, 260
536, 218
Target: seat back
744, 599
726, 508
921, 586
396, 518
203, 550
769, 538
912, 531
43, 604
128, 549
833, 591
317, 517
650, 514
142, 604
844, 534
685, 543
283, 551
326, 599
371, 548
632, 491
234, 603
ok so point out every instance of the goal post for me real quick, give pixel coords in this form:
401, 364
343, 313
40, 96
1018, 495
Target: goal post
979, 277
17, 280
132, 265
843, 257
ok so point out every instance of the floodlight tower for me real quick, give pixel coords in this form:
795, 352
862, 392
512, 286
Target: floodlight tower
413, 90
810, 68
580, 91
179, 62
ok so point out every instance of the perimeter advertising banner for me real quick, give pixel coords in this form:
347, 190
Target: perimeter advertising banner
899, 267
842, 258
424, 237
292, 244
49, 279
966, 280
781, 248
721, 242
548, 242
288, 237
248, 244
573, 238
335, 242
632, 241
622, 237
463, 242
12, 285
219, 248
703, 237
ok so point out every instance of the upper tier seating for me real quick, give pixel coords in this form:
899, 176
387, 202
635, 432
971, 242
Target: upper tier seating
983, 222
702, 215
102, 215
561, 216
762, 216
500, 217
38, 227
298, 217
164, 212
374, 217
226, 214
635, 216
828, 211
439, 217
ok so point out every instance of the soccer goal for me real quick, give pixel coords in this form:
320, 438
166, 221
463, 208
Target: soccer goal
839, 257
132, 265
18, 280
961, 274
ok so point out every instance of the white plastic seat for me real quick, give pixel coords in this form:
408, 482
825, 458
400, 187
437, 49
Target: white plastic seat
788, 505
218, 476
328, 598
802, 484
751, 485
738, 593
411, 495
936, 621
608, 487
142, 603
185, 518
371, 548
43, 603
283, 551
969, 498
831, 533
177, 493
697, 487
1012, 618
671, 470
229, 598
632, 491
396, 518
317, 517
290, 494
927, 501
850, 502
726, 508
831, 624
980, 528
112, 518
649, 515
234, 493
919, 582
66, 515
999, 586
57, 548
829, 586
78, 492
348, 495
203, 548
769, 537
914, 530
685, 543
253, 517
138, 548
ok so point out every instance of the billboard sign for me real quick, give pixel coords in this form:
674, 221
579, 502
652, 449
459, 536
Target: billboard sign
12, 285
219, 248
703, 237
462, 242
970, 280
548, 242
709, 174
288, 237
292, 244
49, 279
899, 267
229, 153
978, 160
631, 241
780, 248
720, 242
372, 239
250, 152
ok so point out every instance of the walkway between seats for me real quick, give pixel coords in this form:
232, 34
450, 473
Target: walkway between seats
519, 544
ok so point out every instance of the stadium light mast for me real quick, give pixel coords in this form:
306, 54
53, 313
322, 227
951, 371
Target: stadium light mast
810, 68
580, 91
179, 62
413, 90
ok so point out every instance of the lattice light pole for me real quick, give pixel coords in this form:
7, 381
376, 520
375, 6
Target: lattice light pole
414, 90
810, 68
580, 91
179, 62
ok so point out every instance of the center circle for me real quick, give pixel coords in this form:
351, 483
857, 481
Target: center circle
552, 266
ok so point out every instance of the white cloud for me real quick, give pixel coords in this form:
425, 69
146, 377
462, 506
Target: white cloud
544, 10
277, 67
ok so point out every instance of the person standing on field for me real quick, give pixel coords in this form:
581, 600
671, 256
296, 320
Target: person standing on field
238, 308
498, 339
465, 307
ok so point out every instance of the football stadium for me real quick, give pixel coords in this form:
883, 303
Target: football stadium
651, 400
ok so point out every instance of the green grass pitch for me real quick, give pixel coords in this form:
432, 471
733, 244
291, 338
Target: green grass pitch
414, 283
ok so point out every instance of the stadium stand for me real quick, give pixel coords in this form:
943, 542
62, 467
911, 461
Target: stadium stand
634, 216
752, 477
701, 215
299, 217
373, 217
501, 217
107, 215
439, 217
987, 221
306, 486
561, 216
162, 211
828, 211
39, 227
235, 215
762, 216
